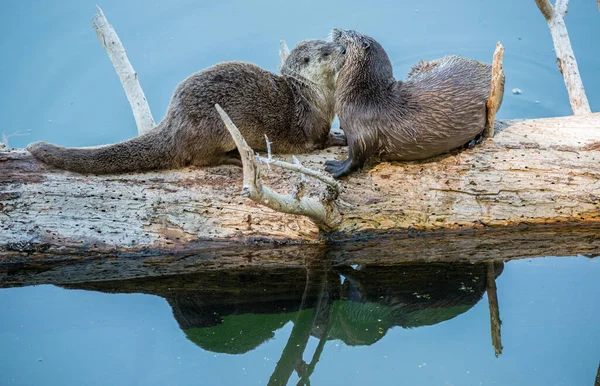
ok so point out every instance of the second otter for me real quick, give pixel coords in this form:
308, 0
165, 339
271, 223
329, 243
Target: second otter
440, 107
295, 110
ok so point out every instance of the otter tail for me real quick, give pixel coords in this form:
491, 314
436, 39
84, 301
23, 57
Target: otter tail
150, 151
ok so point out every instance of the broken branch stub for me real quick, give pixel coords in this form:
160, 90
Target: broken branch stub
565, 57
496, 91
323, 212
284, 52
127, 75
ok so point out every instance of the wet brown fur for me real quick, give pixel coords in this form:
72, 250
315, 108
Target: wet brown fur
440, 107
294, 109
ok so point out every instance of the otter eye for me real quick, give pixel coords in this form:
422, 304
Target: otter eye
325, 54
306, 60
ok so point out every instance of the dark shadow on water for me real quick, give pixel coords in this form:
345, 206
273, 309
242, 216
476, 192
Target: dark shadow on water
235, 311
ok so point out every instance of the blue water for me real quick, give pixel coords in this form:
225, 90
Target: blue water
548, 306
57, 83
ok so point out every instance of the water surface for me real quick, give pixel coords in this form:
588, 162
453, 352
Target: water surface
421, 324
404, 324
58, 85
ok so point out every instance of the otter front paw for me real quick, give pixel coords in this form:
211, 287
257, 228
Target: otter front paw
337, 168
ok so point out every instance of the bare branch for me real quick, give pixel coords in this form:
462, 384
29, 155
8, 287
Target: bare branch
324, 214
284, 52
565, 57
304, 170
561, 7
546, 8
129, 79
496, 91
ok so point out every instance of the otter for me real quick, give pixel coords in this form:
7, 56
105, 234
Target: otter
440, 107
295, 110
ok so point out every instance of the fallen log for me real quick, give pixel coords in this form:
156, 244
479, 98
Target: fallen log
533, 172
71, 266
543, 171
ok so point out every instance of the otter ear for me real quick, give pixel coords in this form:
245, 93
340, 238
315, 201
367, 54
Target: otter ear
366, 45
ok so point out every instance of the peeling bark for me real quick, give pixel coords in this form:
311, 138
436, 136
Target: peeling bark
542, 171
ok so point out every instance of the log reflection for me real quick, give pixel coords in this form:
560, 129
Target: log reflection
234, 311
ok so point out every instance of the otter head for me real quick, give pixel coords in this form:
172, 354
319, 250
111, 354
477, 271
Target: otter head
317, 61
366, 63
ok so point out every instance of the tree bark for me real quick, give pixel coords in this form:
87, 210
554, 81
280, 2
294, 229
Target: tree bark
542, 171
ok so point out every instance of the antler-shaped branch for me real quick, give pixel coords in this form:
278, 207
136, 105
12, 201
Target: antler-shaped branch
323, 212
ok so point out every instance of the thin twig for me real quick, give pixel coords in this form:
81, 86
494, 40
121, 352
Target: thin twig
304, 170
129, 79
496, 91
323, 213
5, 137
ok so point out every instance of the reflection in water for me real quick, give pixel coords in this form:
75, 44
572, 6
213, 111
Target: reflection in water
235, 311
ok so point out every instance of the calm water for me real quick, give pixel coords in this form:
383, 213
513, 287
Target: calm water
406, 324
58, 85
413, 325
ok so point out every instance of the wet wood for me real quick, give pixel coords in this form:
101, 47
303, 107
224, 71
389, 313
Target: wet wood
72, 266
534, 172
